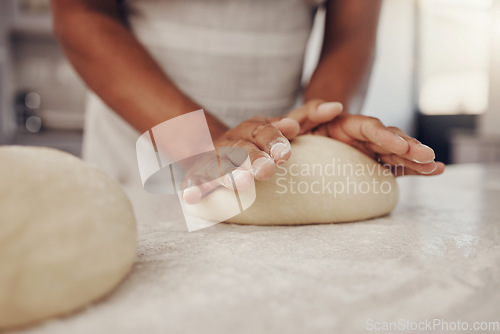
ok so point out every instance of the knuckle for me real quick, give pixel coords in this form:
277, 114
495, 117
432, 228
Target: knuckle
415, 140
245, 125
375, 122
263, 128
368, 120
395, 129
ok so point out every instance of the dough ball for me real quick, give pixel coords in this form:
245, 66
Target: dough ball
67, 234
325, 181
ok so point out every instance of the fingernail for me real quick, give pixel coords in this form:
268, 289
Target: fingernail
280, 150
282, 121
242, 179
432, 171
427, 148
259, 163
191, 194
241, 175
422, 162
329, 106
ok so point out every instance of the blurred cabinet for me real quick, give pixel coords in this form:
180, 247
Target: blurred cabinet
31, 61
458, 49
7, 120
468, 147
31, 16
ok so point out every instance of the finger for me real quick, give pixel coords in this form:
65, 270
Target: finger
440, 168
267, 138
372, 148
205, 178
239, 179
396, 160
210, 172
199, 189
400, 171
322, 114
289, 127
301, 114
263, 165
315, 113
371, 129
237, 157
235, 175
201, 169
325, 112
202, 177
255, 164
417, 151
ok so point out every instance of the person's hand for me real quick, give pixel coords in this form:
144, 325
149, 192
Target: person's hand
265, 140
388, 145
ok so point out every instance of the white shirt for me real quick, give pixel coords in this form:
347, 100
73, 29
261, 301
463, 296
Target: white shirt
235, 58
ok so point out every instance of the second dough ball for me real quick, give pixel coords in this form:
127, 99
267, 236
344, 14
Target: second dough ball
67, 234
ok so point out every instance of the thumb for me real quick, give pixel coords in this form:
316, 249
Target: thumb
301, 114
314, 113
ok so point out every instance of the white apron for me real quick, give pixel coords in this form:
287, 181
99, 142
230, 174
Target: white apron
236, 58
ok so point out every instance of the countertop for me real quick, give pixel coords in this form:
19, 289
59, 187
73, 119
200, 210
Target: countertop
436, 256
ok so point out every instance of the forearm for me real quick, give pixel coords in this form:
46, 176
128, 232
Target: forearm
118, 68
342, 75
347, 55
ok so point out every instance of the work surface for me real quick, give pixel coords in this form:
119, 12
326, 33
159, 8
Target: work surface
436, 256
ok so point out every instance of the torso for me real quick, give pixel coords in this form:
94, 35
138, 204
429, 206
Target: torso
236, 58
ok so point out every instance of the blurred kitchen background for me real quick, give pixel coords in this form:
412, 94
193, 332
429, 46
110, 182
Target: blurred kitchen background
436, 76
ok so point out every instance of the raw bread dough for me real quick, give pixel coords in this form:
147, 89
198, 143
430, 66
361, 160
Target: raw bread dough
67, 234
325, 181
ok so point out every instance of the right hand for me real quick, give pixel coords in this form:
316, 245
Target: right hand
267, 142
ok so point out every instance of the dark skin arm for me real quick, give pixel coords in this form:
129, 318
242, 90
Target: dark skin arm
117, 67
123, 74
348, 51
342, 75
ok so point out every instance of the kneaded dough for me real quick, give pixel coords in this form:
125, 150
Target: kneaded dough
67, 234
325, 181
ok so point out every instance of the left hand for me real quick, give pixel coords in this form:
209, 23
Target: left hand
389, 145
